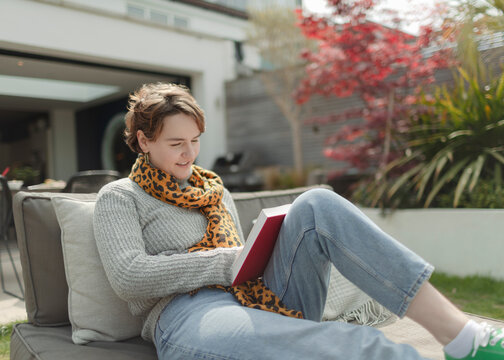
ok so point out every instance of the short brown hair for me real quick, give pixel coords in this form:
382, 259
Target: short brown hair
149, 105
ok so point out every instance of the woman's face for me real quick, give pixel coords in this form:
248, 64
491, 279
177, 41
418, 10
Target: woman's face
176, 147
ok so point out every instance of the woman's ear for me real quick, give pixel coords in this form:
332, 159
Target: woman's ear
142, 141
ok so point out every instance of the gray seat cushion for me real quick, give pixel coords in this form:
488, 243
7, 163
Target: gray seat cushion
55, 343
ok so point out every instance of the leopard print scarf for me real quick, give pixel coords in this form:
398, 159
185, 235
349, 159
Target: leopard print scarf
205, 193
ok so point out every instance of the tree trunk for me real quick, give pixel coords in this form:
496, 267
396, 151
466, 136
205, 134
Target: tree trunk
291, 111
297, 148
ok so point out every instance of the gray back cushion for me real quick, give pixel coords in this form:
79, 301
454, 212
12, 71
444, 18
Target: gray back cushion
38, 234
250, 204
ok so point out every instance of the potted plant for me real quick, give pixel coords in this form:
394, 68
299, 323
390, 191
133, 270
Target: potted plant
26, 174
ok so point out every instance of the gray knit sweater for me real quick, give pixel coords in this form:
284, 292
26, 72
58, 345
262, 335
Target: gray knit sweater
142, 243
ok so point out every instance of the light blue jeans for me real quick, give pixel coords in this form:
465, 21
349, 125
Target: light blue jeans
321, 228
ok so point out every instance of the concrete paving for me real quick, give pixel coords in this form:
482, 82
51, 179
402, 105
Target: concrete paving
11, 308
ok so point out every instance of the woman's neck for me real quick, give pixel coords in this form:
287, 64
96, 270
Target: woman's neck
183, 183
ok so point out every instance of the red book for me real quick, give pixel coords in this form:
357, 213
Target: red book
252, 261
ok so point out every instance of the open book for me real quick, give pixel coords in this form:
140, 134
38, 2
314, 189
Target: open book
257, 250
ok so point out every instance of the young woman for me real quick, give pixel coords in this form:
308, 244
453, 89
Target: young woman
168, 234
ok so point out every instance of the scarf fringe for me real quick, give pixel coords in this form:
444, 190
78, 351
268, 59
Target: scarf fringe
371, 313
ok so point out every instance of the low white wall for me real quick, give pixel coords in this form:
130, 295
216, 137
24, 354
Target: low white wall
456, 241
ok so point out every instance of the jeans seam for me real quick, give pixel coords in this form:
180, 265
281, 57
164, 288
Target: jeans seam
159, 331
288, 271
410, 295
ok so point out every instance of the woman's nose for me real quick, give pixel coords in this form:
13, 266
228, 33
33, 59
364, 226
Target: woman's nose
189, 150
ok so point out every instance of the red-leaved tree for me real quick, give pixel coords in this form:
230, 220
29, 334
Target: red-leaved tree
382, 65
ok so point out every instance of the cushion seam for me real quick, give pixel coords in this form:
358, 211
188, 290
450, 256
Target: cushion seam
28, 347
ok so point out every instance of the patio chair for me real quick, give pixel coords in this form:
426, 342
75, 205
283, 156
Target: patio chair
6, 221
90, 181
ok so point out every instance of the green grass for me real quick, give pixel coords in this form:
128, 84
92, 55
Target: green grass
473, 294
5, 331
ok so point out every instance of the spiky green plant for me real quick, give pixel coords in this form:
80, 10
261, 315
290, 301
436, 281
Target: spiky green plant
450, 146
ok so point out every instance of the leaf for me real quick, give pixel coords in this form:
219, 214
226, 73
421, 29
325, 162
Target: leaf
403, 179
488, 112
496, 155
447, 177
464, 74
455, 134
456, 113
425, 127
379, 193
477, 94
426, 140
494, 125
464, 179
440, 165
438, 162
424, 179
498, 177
477, 171
401, 161
500, 88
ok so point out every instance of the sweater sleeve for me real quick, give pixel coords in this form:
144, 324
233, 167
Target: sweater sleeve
132, 272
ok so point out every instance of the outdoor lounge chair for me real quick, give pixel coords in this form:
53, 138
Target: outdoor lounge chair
90, 181
6, 222
48, 334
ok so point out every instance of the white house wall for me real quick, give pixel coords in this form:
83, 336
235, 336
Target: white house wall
199, 20
51, 29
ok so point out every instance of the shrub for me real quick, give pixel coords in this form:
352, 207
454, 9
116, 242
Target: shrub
453, 142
